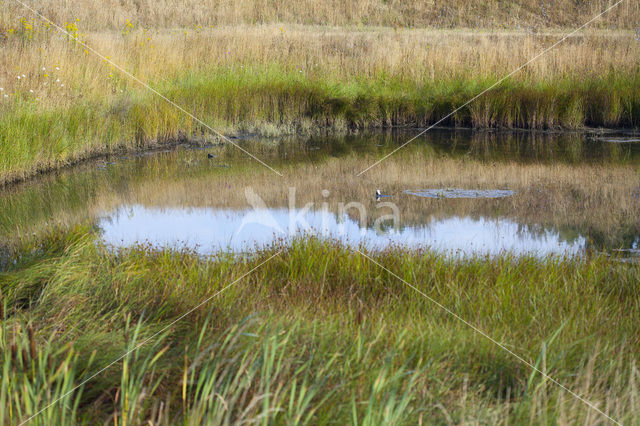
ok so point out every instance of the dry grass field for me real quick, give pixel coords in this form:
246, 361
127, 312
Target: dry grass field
112, 14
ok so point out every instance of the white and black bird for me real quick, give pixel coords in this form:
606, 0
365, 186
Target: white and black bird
381, 195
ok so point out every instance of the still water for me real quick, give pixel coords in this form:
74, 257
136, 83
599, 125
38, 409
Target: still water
134, 199
209, 230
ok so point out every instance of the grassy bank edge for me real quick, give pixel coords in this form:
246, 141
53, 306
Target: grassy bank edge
274, 102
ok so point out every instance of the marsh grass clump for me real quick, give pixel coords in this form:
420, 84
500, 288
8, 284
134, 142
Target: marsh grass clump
36, 374
309, 338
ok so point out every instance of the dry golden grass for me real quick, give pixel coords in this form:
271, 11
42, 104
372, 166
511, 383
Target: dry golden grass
414, 13
417, 55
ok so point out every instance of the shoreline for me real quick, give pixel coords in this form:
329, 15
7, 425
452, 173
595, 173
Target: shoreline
124, 150
61, 105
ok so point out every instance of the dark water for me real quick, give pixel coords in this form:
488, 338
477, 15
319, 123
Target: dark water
495, 145
129, 200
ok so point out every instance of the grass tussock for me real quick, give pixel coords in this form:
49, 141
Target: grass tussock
318, 333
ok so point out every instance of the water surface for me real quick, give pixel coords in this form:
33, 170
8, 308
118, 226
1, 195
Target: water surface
209, 230
133, 200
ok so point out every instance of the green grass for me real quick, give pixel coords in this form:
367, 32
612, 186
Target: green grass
274, 101
317, 334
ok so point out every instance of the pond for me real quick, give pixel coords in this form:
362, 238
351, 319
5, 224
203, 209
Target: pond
209, 230
478, 194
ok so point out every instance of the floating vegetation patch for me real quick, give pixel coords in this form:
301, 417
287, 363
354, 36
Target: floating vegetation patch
462, 193
619, 140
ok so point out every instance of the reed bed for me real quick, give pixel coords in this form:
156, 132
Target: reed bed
318, 333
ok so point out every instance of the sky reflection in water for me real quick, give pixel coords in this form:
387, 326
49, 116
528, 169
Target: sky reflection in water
209, 230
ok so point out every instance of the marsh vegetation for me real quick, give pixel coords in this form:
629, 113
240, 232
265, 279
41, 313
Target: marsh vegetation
61, 103
318, 332
303, 329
